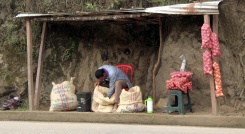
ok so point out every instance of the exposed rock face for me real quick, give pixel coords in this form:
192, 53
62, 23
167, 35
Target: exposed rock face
87, 57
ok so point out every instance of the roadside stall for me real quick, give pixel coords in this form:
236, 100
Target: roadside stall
153, 15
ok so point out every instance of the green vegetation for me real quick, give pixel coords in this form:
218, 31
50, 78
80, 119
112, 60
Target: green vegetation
169, 2
68, 52
92, 7
11, 36
24, 105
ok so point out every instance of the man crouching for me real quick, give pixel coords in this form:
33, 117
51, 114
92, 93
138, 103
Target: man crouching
113, 78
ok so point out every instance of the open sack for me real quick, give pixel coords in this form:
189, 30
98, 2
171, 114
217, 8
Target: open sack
130, 101
101, 103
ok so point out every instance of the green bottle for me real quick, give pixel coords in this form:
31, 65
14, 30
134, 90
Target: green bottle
149, 105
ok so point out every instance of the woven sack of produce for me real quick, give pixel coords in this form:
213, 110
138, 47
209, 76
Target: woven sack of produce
131, 101
100, 102
207, 63
206, 36
217, 80
63, 97
216, 48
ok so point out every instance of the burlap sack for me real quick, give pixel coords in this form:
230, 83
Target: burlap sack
100, 102
96, 107
131, 101
63, 97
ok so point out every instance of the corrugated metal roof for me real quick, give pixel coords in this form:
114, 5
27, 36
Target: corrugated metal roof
197, 8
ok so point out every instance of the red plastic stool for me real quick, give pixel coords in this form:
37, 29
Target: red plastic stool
125, 68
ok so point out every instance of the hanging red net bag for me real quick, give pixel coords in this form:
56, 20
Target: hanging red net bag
206, 36
216, 49
217, 80
207, 63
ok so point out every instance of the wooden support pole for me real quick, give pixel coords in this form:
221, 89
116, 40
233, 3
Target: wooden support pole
40, 66
211, 80
216, 30
158, 62
29, 63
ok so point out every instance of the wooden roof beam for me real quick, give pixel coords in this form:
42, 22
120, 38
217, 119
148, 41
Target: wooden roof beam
91, 18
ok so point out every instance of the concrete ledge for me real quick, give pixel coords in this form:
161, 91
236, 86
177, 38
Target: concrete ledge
126, 118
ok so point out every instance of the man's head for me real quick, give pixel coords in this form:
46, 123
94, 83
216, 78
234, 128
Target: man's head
100, 74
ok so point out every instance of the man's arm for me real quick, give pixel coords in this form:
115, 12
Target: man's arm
97, 83
111, 90
111, 86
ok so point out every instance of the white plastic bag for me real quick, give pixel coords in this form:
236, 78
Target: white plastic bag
182, 68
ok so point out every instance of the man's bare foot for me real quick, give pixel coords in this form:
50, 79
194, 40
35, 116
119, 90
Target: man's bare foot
114, 108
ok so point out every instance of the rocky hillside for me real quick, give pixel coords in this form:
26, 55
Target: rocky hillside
75, 50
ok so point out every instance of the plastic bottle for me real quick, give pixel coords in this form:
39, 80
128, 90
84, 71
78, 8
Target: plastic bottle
149, 102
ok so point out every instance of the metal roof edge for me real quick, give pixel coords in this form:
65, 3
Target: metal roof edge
196, 8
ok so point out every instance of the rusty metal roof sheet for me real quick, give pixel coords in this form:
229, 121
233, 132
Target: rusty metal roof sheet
197, 8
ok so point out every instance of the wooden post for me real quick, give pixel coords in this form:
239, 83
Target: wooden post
211, 80
216, 30
29, 63
40, 65
158, 62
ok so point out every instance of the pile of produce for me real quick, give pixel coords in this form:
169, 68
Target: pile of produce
180, 81
206, 36
179, 74
217, 80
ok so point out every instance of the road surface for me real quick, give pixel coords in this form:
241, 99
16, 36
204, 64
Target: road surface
20, 127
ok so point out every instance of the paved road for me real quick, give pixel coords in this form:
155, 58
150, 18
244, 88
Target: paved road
11, 127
